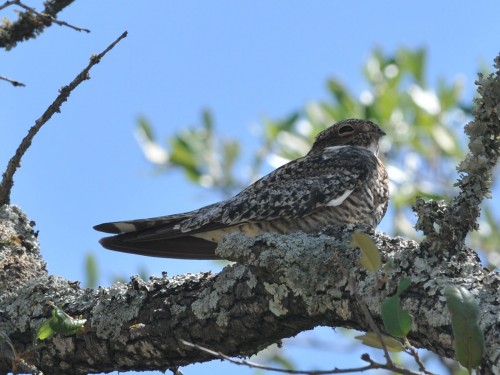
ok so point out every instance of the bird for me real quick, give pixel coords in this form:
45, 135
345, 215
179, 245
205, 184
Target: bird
340, 181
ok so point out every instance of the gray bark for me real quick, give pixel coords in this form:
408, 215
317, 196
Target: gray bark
278, 287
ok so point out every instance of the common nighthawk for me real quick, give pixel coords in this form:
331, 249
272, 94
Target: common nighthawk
339, 181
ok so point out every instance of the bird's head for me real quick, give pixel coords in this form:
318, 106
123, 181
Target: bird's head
350, 132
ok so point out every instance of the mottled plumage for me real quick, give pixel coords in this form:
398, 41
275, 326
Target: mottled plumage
340, 181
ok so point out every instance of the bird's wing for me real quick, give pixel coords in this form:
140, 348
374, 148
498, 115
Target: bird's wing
129, 226
293, 190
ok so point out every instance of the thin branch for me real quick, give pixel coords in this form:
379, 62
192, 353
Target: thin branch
55, 107
394, 368
242, 362
414, 354
48, 16
373, 365
12, 81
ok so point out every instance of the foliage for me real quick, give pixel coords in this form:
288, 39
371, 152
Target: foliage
371, 339
370, 258
469, 339
61, 323
91, 271
397, 321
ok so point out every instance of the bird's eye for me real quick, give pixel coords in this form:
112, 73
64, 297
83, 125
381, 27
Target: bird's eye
346, 129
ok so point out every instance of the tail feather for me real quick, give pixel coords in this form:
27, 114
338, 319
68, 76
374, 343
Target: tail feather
158, 237
184, 247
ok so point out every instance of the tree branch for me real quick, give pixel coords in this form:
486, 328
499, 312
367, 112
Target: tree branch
447, 225
281, 285
55, 107
373, 365
13, 82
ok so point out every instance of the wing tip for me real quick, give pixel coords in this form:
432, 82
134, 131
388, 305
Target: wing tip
119, 227
107, 228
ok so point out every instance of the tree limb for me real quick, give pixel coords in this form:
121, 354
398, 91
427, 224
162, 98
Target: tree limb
281, 285
447, 225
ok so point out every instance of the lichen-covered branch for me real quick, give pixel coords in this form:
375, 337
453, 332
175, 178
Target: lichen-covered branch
447, 225
30, 24
281, 285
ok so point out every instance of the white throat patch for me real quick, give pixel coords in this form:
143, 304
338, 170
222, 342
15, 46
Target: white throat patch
333, 148
373, 147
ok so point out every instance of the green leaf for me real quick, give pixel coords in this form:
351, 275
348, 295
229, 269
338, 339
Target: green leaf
449, 94
45, 331
341, 95
386, 102
446, 141
273, 128
370, 259
183, 154
397, 321
208, 120
60, 322
413, 61
372, 339
403, 285
469, 339
230, 151
91, 271
145, 126
63, 323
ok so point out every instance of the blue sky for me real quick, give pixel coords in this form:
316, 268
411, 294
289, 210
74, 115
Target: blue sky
244, 61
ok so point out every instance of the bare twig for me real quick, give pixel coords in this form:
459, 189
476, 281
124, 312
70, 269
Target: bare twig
414, 354
373, 365
12, 81
242, 362
64, 92
48, 16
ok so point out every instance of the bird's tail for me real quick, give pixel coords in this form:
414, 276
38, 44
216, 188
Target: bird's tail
157, 237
